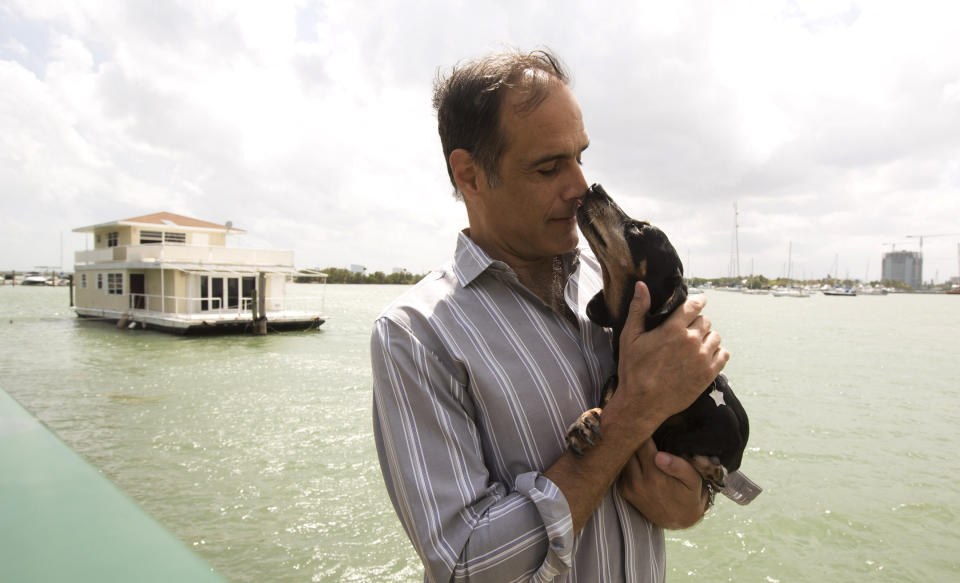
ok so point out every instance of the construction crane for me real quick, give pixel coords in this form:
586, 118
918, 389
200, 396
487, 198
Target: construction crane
922, 237
892, 245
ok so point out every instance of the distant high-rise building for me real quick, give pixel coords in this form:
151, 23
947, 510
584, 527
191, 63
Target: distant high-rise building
905, 266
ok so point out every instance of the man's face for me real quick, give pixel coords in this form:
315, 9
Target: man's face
531, 213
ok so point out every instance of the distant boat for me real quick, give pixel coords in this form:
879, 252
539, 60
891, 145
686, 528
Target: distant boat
872, 291
692, 290
35, 279
840, 291
791, 292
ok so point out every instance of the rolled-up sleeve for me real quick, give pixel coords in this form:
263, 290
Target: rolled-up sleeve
464, 525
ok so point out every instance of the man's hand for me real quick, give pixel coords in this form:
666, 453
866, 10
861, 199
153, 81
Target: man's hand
664, 370
664, 488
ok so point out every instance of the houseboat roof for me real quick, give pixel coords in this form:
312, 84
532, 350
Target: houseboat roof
163, 219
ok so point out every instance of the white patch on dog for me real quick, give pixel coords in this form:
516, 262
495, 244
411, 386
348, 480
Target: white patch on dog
717, 397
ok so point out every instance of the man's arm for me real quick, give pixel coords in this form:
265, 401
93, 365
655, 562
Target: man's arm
462, 524
661, 373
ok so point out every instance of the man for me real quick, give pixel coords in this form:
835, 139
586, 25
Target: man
480, 368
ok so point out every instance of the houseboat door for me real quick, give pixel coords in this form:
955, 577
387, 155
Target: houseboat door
226, 293
138, 300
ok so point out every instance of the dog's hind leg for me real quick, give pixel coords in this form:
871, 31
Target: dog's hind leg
709, 468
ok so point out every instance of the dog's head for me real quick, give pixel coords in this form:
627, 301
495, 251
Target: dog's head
629, 251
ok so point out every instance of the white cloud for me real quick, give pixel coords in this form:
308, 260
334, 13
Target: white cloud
308, 123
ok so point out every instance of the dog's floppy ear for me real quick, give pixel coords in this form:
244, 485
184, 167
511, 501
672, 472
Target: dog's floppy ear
678, 296
598, 312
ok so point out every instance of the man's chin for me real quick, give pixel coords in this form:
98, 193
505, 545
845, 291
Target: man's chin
568, 243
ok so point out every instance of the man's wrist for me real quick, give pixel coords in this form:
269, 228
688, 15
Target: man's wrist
620, 424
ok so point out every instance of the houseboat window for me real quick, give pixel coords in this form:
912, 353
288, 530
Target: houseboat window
233, 292
175, 238
216, 292
204, 292
83, 280
247, 285
115, 284
99, 281
151, 237
113, 239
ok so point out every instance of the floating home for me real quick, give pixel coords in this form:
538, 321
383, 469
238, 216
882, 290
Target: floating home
175, 273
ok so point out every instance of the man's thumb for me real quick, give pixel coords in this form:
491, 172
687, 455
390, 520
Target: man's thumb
639, 307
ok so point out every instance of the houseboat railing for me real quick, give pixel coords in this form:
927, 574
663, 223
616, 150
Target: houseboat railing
185, 254
195, 305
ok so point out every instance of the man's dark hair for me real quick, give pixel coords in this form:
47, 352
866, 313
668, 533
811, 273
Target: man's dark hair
468, 103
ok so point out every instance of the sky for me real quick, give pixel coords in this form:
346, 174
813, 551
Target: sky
834, 127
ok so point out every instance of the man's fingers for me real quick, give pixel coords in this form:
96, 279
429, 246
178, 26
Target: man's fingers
678, 468
701, 323
689, 311
639, 307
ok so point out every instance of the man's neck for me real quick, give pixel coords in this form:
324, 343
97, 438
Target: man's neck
541, 278
545, 277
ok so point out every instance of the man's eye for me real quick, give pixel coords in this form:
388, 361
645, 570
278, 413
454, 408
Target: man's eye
549, 171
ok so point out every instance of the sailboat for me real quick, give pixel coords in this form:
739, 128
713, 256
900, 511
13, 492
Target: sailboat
836, 290
792, 291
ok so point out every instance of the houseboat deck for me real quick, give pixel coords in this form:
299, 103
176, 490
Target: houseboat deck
204, 322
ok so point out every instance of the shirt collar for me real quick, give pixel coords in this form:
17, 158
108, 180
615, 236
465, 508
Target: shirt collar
470, 261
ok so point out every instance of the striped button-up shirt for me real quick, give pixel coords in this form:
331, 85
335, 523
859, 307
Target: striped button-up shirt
475, 383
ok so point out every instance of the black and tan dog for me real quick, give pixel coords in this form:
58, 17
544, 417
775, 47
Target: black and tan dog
712, 433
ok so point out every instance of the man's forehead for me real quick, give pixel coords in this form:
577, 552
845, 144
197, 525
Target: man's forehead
553, 129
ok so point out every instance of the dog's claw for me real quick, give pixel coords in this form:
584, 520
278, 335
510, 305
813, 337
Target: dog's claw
582, 433
710, 469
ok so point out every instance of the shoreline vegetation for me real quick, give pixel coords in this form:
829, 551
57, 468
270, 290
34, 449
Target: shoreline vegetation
761, 282
338, 275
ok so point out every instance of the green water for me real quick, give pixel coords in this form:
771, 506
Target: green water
258, 451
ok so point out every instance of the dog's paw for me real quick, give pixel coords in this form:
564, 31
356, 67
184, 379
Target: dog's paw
583, 432
710, 469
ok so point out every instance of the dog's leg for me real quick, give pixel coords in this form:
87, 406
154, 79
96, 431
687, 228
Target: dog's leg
582, 432
710, 468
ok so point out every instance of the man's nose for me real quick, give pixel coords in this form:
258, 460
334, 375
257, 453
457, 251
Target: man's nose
577, 187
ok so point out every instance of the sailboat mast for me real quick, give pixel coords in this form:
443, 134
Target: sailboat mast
736, 236
789, 258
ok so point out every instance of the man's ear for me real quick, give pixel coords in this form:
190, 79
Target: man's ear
465, 172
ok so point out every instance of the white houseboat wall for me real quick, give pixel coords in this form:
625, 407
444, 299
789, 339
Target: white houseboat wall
175, 273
